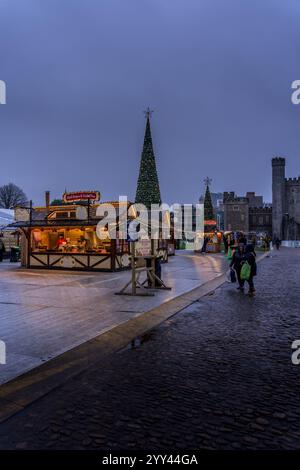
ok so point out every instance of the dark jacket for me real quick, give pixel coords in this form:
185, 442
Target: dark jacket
237, 260
242, 239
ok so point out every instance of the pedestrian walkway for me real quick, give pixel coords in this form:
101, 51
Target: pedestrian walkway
46, 313
216, 376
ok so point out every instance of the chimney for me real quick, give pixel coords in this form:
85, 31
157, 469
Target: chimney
47, 199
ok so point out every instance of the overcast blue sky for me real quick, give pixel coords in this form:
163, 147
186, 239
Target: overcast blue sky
80, 72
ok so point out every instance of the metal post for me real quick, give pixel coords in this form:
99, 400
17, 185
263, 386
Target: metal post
153, 262
133, 268
88, 210
30, 213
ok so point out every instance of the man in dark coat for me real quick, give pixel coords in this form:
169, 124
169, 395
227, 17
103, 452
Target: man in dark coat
225, 241
205, 242
242, 238
2, 249
248, 256
277, 243
236, 263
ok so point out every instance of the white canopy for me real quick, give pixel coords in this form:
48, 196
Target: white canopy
7, 216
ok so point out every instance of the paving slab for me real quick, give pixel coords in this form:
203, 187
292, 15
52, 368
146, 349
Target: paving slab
46, 313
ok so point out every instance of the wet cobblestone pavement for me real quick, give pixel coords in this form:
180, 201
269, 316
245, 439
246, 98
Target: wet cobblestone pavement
218, 375
44, 313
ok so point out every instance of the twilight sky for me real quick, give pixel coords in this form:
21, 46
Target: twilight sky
80, 72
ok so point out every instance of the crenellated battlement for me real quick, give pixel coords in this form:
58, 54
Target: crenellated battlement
293, 180
265, 210
228, 196
278, 161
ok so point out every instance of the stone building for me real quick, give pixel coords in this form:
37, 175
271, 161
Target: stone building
236, 212
254, 200
246, 214
260, 219
286, 203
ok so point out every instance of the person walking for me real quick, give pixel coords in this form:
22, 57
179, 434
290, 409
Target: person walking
267, 243
2, 249
236, 263
225, 241
243, 255
205, 242
277, 243
242, 238
250, 258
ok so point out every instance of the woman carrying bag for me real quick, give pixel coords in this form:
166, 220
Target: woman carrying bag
249, 268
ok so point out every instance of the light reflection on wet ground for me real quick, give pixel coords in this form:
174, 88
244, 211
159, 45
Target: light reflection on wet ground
45, 313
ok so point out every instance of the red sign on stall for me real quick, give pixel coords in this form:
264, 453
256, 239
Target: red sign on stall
82, 196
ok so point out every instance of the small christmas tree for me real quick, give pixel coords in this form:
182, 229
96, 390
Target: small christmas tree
208, 207
148, 191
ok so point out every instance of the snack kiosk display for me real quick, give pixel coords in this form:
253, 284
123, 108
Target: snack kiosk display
213, 235
65, 236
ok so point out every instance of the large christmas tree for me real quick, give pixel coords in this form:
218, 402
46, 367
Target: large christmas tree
148, 191
208, 207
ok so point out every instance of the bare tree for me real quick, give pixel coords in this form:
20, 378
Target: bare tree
12, 196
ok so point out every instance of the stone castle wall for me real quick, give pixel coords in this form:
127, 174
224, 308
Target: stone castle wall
278, 196
292, 197
286, 202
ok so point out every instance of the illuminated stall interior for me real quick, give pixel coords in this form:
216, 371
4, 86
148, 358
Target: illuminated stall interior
213, 236
65, 237
68, 240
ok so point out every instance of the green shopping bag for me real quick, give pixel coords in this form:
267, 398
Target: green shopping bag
229, 254
246, 271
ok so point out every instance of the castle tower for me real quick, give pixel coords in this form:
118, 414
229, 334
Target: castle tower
278, 196
148, 191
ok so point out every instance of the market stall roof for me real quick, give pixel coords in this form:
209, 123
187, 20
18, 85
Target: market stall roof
46, 217
6, 217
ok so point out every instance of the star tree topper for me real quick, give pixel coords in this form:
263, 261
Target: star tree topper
148, 113
207, 181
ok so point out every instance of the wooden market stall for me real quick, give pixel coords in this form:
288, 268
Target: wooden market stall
65, 237
212, 237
